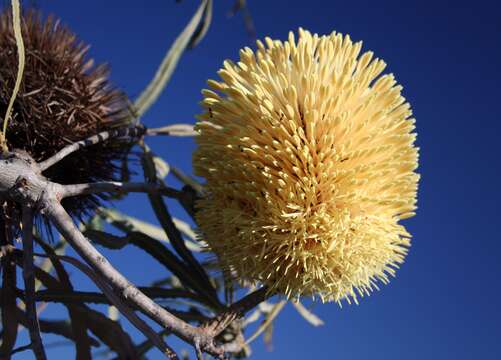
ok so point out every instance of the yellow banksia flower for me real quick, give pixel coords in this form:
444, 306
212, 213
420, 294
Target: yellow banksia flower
309, 157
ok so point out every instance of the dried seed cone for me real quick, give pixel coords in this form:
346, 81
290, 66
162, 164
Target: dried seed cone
63, 98
309, 158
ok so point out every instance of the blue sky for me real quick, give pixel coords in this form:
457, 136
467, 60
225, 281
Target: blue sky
444, 302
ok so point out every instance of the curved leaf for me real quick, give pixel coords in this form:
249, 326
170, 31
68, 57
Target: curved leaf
169, 63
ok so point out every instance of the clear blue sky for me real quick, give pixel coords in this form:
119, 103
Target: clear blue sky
444, 303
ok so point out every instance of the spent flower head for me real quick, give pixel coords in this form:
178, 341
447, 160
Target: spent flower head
309, 156
63, 98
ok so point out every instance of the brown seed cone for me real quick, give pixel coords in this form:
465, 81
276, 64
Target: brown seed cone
63, 98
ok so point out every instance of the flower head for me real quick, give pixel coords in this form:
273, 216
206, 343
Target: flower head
309, 158
63, 98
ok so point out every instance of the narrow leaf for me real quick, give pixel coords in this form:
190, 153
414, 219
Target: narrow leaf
307, 314
175, 237
166, 68
16, 17
270, 317
203, 27
105, 239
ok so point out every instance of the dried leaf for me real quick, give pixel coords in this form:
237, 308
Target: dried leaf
307, 314
175, 130
113, 313
162, 167
268, 337
270, 317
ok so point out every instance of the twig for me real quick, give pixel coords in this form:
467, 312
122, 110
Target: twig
29, 284
118, 187
96, 139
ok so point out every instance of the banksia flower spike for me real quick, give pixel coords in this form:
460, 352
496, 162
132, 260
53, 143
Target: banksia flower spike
63, 98
309, 158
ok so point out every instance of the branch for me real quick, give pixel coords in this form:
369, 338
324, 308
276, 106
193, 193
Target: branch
118, 187
121, 306
29, 284
63, 222
93, 140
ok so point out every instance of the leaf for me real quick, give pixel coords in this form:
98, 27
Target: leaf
78, 322
56, 327
108, 331
187, 180
152, 247
165, 257
140, 324
169, 63
8, 307
307, 314
270, 317
105, 239
78, 297
175, 130
203, 27
128, 223
95, 223
162, 213
268, 337
162, 167
113, 313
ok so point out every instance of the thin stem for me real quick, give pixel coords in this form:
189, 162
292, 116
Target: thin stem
16, 25
93, 140
29, 284
118, 187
